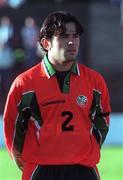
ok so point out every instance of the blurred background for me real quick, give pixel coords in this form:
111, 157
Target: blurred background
101, 48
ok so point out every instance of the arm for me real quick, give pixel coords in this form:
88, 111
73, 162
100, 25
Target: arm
100, 111
11, 117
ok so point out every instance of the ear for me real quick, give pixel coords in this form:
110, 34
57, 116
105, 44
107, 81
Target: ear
46, 44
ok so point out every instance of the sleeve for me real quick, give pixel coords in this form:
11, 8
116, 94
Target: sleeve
100, 111
10, 117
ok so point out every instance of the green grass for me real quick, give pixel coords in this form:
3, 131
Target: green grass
110, 166
8, 169
111, 163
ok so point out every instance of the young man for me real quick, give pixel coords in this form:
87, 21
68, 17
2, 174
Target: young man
57, 113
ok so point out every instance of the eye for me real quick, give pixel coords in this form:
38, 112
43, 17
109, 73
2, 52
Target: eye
76, 35
64, 36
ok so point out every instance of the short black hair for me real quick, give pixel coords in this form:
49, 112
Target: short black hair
55, 24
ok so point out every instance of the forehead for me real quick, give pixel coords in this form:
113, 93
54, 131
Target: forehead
70, 28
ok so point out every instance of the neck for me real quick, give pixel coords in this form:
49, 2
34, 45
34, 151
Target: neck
63, 66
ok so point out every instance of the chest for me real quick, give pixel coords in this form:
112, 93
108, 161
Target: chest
78, 93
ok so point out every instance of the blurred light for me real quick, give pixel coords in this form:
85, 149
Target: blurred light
3, 3
16, 3
115, 136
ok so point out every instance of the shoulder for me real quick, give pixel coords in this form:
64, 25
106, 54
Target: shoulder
29, 74
90, 73
25, 81
92, 77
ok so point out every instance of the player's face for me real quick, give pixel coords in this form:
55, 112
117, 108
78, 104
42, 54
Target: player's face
64, 48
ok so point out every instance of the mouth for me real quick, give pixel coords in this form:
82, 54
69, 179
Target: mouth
71, 51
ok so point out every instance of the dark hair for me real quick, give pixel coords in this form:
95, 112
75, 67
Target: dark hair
55, 24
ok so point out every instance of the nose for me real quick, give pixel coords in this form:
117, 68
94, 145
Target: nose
70, 43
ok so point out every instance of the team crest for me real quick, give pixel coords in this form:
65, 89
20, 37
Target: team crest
82, 100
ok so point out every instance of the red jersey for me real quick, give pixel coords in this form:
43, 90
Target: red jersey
46, 124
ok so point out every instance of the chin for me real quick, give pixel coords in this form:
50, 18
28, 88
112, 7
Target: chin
70, 58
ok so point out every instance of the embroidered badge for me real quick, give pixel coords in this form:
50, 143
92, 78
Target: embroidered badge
82, 100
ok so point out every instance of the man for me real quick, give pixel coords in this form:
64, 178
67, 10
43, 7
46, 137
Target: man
57, 113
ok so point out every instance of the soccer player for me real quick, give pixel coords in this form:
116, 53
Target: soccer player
56, 116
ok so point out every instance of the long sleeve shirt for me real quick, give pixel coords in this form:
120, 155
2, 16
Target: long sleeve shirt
48, 124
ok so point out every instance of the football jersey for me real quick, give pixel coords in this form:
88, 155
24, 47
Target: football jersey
48, 124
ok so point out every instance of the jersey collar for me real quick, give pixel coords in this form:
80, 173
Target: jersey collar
50, 70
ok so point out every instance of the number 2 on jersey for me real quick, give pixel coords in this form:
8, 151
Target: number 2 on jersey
68, 117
